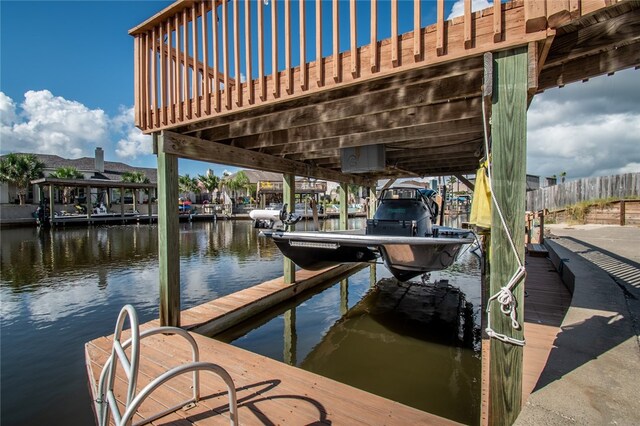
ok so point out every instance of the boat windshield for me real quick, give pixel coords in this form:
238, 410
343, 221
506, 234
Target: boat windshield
400, 194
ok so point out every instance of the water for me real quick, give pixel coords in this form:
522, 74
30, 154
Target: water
61, 288
417, 343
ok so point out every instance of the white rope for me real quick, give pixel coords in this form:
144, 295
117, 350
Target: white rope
505, 296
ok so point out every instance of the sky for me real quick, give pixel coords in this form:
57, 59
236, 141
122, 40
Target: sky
66, 87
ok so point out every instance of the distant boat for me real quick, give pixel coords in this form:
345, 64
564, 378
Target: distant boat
402, 233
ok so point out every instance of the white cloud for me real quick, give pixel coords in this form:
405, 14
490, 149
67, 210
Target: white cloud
586, 129
133, 143
52, 125
458, 7
7, 110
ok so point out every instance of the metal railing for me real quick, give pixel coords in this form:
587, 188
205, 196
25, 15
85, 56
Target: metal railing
107, 403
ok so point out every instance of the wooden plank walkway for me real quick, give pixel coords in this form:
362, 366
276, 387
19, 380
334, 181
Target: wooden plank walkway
545, 305
271, 392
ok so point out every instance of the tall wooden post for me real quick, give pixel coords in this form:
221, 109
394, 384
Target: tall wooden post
168, 235
87, 201
344, 206
289, 198
509, 133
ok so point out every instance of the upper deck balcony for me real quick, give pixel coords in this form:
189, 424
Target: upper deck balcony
300, 80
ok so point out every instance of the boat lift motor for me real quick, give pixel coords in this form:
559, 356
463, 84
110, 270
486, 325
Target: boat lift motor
274, 219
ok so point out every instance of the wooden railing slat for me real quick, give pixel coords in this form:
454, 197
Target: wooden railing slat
216, 59
261, 77
440, 28
535, 15
136, 82
162, 101
194, 81
374, 36
303, 47
497, 22
319, 62
146, 78
154, 79
247, 38
225, 53
287, 45
185, 81
336, 40
170, 76
353, 38
394, 33
467, 24
417, 33
205, 59
275, 75
178, 72
236, 50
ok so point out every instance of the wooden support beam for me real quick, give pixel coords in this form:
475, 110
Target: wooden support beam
289, 198
344, 206
466, 181
508, 130
202, 150
168, 235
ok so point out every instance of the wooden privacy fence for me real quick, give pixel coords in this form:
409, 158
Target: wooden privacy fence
597, 188
197, 59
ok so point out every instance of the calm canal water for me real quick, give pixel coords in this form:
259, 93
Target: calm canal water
61, 288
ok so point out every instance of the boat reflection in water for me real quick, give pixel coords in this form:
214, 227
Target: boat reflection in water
414, 342
406, 342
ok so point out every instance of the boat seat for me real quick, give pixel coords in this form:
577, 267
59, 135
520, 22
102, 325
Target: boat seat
107, 404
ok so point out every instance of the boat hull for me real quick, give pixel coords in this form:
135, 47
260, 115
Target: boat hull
405, 257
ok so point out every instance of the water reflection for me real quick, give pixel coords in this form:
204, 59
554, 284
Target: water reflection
60, 288
416, 343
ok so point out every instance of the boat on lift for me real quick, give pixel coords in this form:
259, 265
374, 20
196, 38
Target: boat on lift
403, 233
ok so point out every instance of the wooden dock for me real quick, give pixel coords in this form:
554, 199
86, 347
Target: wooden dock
271, 392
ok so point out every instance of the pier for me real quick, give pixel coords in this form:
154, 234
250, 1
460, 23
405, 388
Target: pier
435, 100
273, 392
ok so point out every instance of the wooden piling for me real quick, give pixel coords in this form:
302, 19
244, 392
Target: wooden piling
289, 198
168, 235
508, 129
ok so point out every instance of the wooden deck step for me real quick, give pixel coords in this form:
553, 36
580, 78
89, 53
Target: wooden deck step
537, 250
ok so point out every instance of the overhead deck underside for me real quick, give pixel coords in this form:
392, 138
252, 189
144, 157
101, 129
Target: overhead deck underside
429, 119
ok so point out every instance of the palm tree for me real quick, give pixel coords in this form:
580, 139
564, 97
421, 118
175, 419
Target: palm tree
66, 172
187, 184
563, 175
210, 181
20, 170
135, 177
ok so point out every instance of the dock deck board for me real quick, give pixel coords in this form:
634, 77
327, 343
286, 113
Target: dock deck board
271, 392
